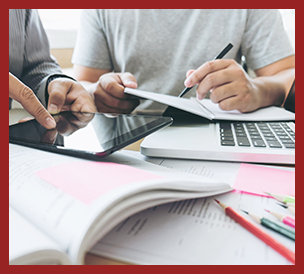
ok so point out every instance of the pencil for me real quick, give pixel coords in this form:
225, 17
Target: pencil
290, 208
284, 218
282, 198
219, 56
272, 225
288, 254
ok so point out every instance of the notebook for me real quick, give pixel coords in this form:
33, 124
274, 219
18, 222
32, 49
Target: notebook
207, 109
193, 137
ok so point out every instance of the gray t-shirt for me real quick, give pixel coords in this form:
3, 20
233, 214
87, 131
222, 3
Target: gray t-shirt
159, 46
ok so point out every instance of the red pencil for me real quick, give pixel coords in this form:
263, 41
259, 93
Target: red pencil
288, 254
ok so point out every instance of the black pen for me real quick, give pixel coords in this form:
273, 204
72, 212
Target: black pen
219, 56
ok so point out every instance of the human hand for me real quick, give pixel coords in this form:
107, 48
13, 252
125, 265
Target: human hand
109, 94
68, 123
231, 86
68, 95
26, 97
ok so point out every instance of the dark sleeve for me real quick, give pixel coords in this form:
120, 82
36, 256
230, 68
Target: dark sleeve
38, 63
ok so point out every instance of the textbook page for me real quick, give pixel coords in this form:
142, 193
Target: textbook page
194, 232
29, 245
219, 171
67, 216
189, 218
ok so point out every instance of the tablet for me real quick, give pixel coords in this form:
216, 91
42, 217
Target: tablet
87, 135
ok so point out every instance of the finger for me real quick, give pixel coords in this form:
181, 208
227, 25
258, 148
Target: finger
26, 97
223, 92
25, 119
84, 103
128, 80
113, 85
78, 119
212, 81
68, 95
189, 72
105, 100
81, 119
232, 99
58, 90
198, 75
230, 103
49, 136
64, 126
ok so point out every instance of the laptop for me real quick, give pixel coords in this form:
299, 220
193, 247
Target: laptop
193, 137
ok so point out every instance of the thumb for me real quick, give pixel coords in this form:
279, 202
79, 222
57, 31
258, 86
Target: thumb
26, 97
189, 72
128, 80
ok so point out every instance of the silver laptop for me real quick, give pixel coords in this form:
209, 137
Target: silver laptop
253, 142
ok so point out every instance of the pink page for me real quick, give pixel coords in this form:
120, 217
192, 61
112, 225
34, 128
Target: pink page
257, 179
86, 181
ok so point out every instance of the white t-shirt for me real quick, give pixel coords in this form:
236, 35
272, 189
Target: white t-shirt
159, 46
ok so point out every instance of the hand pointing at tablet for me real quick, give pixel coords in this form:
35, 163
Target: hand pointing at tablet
26, 97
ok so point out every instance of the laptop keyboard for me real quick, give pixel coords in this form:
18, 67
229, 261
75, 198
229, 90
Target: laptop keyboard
257, 134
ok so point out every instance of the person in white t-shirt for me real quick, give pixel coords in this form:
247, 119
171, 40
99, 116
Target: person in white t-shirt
165, 50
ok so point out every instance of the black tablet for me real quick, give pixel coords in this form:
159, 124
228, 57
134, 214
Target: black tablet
87, 135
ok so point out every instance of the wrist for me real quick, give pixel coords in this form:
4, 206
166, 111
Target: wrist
269, 92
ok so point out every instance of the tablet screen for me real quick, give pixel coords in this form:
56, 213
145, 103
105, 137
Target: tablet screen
87, 135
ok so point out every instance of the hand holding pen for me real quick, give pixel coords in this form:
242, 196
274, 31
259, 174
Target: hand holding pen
219, 56
232, 88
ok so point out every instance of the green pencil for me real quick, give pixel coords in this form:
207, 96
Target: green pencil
282, 198
272, 225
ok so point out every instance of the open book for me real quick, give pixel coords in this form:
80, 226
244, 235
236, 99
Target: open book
61, 206
207, 109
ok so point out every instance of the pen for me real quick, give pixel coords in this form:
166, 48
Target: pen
282, 198
272, 225
290, 208
288, 254
219, 56
284, 218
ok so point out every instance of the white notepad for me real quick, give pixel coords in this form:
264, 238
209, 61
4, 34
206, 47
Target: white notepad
207, 109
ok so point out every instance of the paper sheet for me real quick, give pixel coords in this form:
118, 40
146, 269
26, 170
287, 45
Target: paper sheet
249, 178
194, 232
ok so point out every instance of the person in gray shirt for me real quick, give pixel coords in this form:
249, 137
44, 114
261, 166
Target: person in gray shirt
155, 50
34, 74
